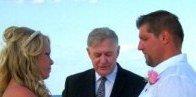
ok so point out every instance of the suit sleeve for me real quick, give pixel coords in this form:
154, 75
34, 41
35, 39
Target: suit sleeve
65, 92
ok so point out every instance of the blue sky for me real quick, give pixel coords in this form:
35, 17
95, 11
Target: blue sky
68, 22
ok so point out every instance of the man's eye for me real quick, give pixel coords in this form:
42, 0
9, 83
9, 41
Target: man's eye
143, 38
109, 54
97, 55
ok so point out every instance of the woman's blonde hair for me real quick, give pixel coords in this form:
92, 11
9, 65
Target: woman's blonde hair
19, 59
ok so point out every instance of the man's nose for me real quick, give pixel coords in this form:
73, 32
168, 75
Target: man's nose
140, 45
103, 59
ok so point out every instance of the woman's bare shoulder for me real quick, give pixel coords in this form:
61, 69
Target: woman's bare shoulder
15, 90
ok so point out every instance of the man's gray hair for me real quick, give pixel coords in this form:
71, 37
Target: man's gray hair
100, 34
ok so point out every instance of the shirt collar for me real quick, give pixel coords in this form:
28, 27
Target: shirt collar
111, 77
169, 62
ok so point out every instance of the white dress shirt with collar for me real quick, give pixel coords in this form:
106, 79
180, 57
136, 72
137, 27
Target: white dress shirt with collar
176, 79
109, 82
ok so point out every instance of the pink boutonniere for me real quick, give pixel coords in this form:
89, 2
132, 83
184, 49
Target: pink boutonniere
152, 77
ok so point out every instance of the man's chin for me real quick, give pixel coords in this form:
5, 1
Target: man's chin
148, 63
103, 73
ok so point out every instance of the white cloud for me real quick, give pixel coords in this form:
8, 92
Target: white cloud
19, 1
88, 1
38, 1
127, 48
56, 1
79, 0
93, 1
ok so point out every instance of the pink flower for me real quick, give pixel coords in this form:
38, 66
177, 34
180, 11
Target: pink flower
152, 77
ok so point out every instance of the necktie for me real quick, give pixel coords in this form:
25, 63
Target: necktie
101, 89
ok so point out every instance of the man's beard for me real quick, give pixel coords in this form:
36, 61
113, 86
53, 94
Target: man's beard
148, 63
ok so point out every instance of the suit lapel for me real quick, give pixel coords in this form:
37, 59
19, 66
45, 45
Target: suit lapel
118, 84
89, 85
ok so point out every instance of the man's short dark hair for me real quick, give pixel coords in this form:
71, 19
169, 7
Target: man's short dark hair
161, 20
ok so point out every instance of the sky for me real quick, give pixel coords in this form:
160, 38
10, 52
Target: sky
68, 23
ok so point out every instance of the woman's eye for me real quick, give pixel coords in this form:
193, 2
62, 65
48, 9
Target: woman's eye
48, 54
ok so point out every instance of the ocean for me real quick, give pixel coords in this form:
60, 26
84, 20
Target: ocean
56, 96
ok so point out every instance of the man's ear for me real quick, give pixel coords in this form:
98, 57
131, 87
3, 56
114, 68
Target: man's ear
87, 49
118, 50
165, 37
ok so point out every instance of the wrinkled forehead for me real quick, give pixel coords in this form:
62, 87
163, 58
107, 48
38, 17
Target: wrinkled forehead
106, 41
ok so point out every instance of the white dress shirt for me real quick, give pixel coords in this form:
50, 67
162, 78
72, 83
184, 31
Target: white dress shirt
176, 79
108, 83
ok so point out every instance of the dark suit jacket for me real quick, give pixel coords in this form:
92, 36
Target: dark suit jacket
127, 84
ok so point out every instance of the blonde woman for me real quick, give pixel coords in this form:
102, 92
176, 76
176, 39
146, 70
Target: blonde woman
24, 63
